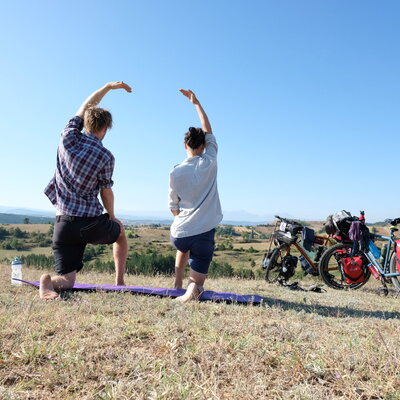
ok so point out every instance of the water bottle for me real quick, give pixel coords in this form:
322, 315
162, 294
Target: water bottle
383, 253
374, 250
374, 271
16, 271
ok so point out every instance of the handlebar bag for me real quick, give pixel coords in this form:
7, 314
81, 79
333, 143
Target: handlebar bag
284, 237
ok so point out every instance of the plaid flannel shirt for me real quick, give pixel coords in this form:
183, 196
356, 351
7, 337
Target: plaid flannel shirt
84, 166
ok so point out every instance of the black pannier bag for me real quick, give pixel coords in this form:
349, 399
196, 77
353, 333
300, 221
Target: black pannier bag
288, 268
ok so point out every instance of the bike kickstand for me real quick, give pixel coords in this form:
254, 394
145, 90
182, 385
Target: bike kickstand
384, 287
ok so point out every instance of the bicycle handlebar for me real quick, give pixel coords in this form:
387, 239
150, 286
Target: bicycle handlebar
392, 222
290, 221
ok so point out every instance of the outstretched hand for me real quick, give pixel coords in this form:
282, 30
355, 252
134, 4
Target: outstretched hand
190, 95
119, 85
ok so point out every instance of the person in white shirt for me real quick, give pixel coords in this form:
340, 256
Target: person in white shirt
194, 202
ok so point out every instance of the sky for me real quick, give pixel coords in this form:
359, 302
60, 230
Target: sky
302, 96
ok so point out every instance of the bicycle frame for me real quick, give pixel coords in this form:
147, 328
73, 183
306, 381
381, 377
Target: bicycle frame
383, 269
323, 241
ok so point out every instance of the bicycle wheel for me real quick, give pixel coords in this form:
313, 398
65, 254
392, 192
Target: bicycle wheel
273, 270
330, 271
393, 269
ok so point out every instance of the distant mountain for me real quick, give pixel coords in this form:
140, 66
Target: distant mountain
27, 211
165, 217
139, 217
20, 219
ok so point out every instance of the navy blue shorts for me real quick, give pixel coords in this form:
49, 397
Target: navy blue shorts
201, 249
71, 234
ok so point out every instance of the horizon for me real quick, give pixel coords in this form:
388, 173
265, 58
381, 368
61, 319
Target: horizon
302, 98
232, 217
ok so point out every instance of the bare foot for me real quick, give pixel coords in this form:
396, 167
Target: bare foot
193, 292
46, 289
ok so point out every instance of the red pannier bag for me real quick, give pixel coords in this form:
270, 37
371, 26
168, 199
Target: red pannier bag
398, 254
353, 269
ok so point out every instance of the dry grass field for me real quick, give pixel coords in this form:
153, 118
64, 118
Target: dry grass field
298, 345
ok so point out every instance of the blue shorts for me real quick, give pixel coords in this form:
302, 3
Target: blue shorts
201, 249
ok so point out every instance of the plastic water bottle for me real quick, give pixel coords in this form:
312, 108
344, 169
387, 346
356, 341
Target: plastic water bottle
383, 253
374, 250
16, 271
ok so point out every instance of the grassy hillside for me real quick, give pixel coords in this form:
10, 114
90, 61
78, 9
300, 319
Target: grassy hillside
241, 247
299, 345
19, 219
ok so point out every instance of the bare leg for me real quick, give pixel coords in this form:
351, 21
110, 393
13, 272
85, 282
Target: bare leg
49, 285
120, 252
195, 287
180, 265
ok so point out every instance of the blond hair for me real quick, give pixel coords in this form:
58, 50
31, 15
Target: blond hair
96, 119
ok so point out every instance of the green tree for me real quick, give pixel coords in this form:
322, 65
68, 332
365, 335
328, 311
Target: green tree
221, 247
220, 269
3, 232
17, 233
246, 237
51, 230
225, 230
16, 244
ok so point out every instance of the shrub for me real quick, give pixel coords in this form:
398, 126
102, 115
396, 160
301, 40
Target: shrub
226, 230
150, 264
38, 261
260, 274
244, 273
220, 269
3, 232
93, 251
220, 247
17, 233
13, 244
45, 243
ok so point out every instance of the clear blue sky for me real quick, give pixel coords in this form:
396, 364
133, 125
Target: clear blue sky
303, 97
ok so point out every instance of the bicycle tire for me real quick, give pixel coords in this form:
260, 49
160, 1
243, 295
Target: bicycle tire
273, 270
330, 271
393, 269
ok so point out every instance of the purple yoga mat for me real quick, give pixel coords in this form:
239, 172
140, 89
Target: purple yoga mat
207, 295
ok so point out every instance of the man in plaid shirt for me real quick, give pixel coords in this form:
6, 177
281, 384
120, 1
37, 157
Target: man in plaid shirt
84, 169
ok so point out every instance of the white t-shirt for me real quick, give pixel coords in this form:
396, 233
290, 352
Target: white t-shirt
193, 190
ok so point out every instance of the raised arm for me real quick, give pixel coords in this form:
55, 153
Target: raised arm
96, 97
205, 123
